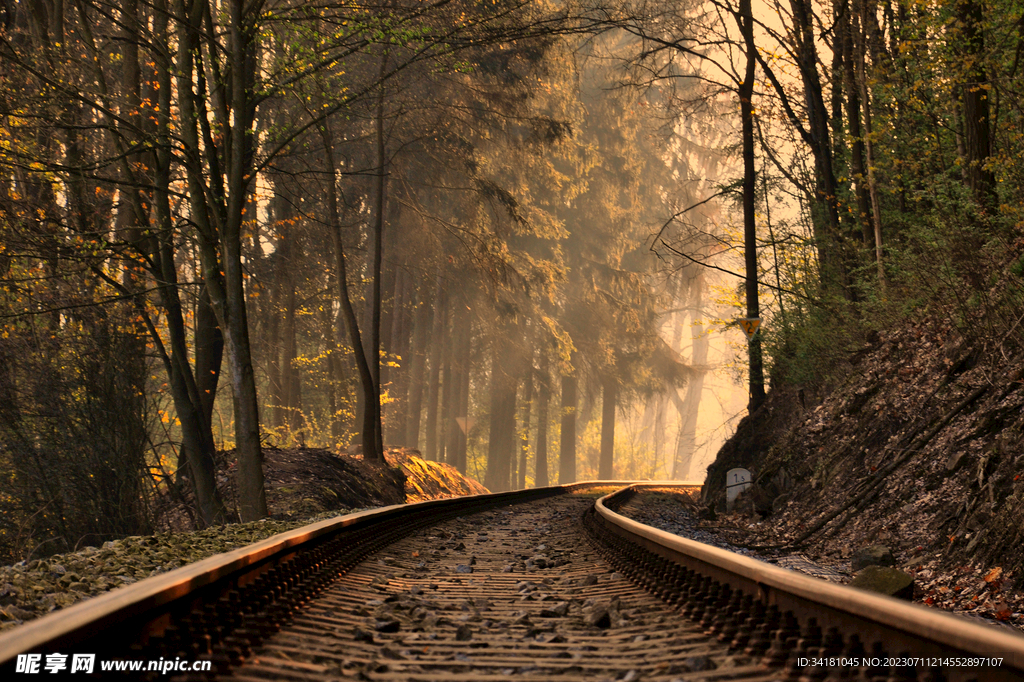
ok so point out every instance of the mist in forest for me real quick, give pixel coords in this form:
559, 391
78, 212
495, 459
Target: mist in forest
440, 232
459, 219
516, 236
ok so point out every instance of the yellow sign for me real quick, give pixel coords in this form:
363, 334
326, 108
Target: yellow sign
750, 326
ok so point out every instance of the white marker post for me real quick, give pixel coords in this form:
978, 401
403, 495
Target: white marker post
736, 481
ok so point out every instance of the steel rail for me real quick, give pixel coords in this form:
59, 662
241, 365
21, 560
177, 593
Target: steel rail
719, 586
128, 611
905, 630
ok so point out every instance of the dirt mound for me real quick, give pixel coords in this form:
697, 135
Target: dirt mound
307, 481
426, 480
303, 482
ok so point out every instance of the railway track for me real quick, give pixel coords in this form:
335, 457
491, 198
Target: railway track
533, 585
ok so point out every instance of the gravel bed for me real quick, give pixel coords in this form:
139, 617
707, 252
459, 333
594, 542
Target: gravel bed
672, 514
34, 588
968, 591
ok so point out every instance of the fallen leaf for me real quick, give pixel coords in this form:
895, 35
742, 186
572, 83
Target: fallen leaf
993, 574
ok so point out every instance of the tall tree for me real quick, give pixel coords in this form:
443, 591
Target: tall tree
969, 41
540, 476
745, 20
501, 446
609, 398
567, 447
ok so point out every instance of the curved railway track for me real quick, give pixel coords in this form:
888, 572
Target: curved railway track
532, 585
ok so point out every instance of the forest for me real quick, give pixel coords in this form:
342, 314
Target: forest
501, 232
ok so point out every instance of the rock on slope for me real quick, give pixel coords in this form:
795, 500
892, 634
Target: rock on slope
921, 449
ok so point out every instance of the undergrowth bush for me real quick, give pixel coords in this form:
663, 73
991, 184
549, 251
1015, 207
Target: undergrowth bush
951, 263
75, 442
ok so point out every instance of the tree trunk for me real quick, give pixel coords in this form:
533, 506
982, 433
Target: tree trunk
197, 435
876, 213
400, 342
209, 350
280, 337
373, 438
756, 372
273, 338
524, 439
252, 502
455, 383
829, 243
434, 386
291, 380
186, 397
567, 449
609, 396
445, 450
689, 406
417, 373
388, 314
501, 444
836, 73
367, 385
974, 102
465, 354
540, 476
334, 371
850, 82
659, 429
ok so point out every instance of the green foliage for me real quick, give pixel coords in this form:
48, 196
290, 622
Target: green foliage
950, 250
